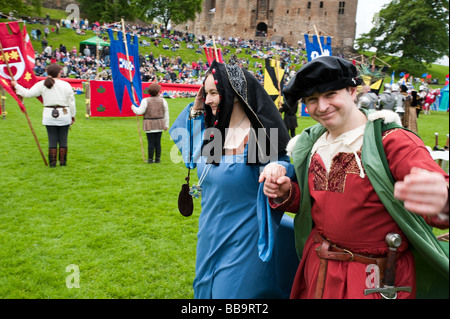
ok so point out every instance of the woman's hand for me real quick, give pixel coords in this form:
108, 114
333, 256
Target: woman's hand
276, 184
199, 99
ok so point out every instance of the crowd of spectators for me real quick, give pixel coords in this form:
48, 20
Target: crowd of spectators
91, 64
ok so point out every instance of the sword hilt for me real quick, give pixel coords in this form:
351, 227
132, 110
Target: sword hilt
389, 291
394, 241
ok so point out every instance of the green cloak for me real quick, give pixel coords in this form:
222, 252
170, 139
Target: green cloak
431, 256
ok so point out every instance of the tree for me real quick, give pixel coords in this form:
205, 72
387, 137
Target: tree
176, 11
19, 8
107, 10
416, 31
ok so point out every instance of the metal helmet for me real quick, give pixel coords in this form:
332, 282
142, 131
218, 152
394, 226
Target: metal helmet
395, 87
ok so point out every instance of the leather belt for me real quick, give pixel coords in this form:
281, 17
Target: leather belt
153, 118
328, 251
55, 106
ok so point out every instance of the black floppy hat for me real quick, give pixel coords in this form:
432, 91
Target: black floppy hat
323, 74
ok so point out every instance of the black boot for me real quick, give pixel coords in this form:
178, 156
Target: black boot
52, 156
151, 152
62, 156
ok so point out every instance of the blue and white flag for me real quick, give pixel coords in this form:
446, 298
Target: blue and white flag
313, 48
125, 70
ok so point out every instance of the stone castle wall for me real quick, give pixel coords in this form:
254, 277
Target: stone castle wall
286, 20
57, 4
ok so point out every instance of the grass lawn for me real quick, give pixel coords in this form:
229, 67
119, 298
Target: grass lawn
107, 212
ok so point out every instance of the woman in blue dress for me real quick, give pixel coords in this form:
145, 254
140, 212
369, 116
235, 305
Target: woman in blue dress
234, 129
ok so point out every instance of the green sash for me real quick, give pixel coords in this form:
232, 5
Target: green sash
431, 255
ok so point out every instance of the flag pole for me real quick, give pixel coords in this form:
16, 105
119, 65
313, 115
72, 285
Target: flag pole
318, 39
215, 49
132, 88
3, 97
24, 110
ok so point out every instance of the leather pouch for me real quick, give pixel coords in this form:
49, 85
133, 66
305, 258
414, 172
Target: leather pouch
185, 201
55, 113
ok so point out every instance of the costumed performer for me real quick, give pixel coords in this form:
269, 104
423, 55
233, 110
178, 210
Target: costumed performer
290, 117
410, 116
156, 119
344, 195
233, 124
59, 110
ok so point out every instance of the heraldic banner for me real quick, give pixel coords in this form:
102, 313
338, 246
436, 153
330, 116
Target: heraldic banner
274, 71
124, 61
16, 58
103, 103
313, 49
211, 55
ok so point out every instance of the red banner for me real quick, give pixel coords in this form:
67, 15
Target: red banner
16, 59
103, 102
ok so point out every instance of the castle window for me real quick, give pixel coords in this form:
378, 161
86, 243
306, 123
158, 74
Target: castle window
341, 7
321, 4
262, 5
210, 6
309, 4
287, 12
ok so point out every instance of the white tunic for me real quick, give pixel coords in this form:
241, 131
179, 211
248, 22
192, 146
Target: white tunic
60, 94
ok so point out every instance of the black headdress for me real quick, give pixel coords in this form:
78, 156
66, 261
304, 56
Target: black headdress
233, 82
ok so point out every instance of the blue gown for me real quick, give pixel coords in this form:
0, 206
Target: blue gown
228, 264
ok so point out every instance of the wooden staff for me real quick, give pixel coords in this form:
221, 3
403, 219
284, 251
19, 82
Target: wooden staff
132, 88
88, 99
318, 38
375, 56
25, 110
3, 97
97, 55
215, 49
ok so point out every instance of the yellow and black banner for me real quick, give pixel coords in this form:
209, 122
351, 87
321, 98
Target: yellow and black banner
273, 80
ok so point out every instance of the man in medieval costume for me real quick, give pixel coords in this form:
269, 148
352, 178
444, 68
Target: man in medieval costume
360, 180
